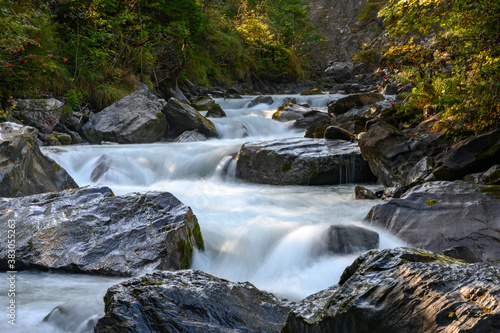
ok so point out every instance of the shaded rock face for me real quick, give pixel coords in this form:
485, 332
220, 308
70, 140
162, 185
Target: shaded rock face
439, 215
215, 111
300, 161
24, 170
471, 155
261, 100
203, 103
42, 114
345, 104
404, 290
304, 116
337, 133
190, 301
347, 239
362, 193
136, 118
190, 136
399, 158
90, 230
182, 117
462, 253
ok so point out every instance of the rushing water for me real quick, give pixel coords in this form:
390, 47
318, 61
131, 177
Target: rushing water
264, 234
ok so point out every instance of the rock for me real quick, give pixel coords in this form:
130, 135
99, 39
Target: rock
261, 100
190, 136
215, 111
313, 91
181, 117
462, 253
338, 73
63, 138
73, 317
492, 175
475, 154
136, 118
290, 111
347, 239
337, 133
344, 104
24, 170
361, 193
351, 122
203, 103
90, 230
394, 192
438, 215
311, 117
190, 301
317, 129
299, 161
404, 290
103, 165
43, 114
399, 158
347, 88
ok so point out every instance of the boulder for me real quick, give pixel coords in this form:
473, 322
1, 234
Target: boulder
190, 136
24, 170
43, 114
347, 239
462, 253
361, 193
313, 91
475, 154
136, 118
439, 215
492, 175
339, 73
344, 104
399, 158
182, 117
404, 290
311, 117
215, 111
351, 122
290, 111
301, 161
337, 133
92, 231
317, 130
261, 100
203, 103
190, 301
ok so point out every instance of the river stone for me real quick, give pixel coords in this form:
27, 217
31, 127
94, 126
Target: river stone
311, 117
90, 230
24, 170
347, 239
43, 114
362, 193
203, 103
302, 161
136, 118
290, 111
492, 175
345, 104
215, 111
337, 133
191, 136
475, 154
462, 253
439, 215
182, 117
190, 301
261, 100
404, 290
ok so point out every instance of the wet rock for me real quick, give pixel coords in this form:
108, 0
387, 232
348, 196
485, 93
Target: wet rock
345, 104
474, 154
361, 193
261, 100
311, 117
215, 111
347, 239
63, 138
399, 158
190, 136
43, 114
24, 170
339, 73
313, 91
317, 129
337, 133
136, 118
182, 117
462, 253
72, 317
492, 175
404, 290
439, 215
103, 165
203, 103
351, 122
190, 301
302, 161
90, 230
290, 111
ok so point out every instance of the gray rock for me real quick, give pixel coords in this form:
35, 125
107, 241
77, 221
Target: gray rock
43, 114
301, 161
439, 215
351, 122
492, 175
182, 117
311, 117
462, 253
215, 111
190, 136
24, 170
345, 104
290, 111
347, 239
261, 100
361, 193
203, 103
404, 290
90, 230
337, 133
190, 301
474, 154
136, 118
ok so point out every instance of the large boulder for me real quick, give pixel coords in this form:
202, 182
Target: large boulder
203, 103
190, 301
302, 161
304, 116
90, 230
24, 170
43, 114
439, 215
399, 158
404, 290
347, 239
215, 111
261, 100
345, 104
475, 154
182, 117
136, 118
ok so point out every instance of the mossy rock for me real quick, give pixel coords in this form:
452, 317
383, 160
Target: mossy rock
314, 91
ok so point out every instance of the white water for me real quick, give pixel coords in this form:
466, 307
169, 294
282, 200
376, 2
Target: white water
267, 235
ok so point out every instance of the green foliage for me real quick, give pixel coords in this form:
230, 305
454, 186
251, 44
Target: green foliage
459, 72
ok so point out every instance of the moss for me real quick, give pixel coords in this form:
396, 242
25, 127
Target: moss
185, 250
287, 166
431, 202
452, 315
314, 174
159, 116
314, 91
493, 177
107, 303
198, 238
245, 158
493, 189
